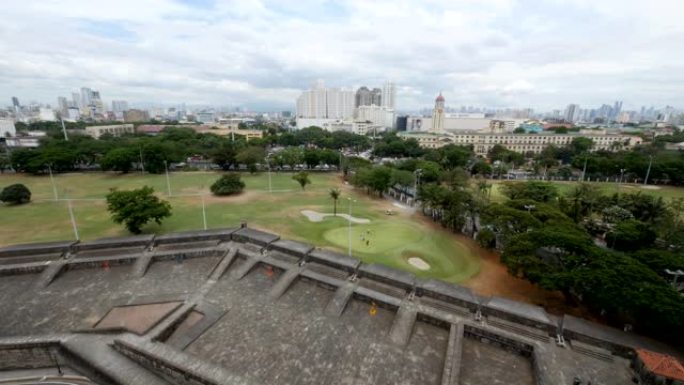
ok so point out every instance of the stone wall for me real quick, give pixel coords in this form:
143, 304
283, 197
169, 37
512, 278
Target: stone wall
28, 355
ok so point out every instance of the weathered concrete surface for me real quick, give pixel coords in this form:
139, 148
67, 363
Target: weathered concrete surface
339, 302
403, 324
452, 360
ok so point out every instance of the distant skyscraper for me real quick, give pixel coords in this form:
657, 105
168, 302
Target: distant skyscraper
63, 106
438, 114
119, 105
362, 97
76, 99
325, 103
572, 113
15, 102
389, 95
376, 97
86, 97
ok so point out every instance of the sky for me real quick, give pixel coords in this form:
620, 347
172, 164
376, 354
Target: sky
541, 54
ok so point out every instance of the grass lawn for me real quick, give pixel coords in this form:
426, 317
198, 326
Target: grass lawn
667, 192
392, 239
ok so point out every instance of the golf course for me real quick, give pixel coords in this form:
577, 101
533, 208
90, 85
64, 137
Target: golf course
381, 232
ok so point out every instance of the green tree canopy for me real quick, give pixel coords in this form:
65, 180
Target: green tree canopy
15, 194
135, 208
229, 184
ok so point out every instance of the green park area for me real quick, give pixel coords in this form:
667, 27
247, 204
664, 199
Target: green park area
402, 240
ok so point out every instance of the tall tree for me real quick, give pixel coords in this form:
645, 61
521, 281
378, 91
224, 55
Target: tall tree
335, 195
135, 208
302, 178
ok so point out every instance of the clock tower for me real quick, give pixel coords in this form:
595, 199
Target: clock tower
438, 115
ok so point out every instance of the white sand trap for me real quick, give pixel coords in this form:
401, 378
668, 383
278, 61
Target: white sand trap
396, 204
315, 216
649, 187
418, 263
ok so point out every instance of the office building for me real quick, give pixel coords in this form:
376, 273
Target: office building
119, 105
325, 103
63, 105
389, 95
376, 115
134, 115
15, 103
114, 130
7, 128
572, 112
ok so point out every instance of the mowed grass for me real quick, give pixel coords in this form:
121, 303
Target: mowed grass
608, 188
394, 238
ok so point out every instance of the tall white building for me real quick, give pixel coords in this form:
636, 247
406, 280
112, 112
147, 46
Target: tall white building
86, 96
389, 95
325, 103
63, 105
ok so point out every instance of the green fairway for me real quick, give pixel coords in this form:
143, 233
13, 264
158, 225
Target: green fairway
392, 241
667, 192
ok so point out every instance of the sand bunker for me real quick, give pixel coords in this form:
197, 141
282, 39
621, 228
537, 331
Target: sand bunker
315, 216
650, 187
418, 263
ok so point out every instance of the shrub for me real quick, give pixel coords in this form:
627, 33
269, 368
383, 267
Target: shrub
228, 185
15, 194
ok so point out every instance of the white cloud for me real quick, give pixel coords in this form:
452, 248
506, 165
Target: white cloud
516, 53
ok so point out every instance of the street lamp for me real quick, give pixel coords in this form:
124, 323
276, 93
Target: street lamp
168, 181
418, 173
268, 164
349, 222
622, 174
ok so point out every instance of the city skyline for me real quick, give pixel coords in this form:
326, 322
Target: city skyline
260, 55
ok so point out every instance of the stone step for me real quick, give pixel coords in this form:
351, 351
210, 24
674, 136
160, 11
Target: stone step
283, 283
518, 329
340, 299
50, 273
402, 328
223, 265
592, 351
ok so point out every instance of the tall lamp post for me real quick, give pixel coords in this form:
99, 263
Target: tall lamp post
168, 181
52, 181
268, 164
416, 185
350, 225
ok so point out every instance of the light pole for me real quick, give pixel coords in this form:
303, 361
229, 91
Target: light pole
622, 173
584, 169
52, 180
66, 138
268, 164
168, 181
350, 223
204, 213
648, 172
142, 165
73, 220
418, 172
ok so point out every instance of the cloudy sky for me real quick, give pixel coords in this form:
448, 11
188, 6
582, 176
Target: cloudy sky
261, 54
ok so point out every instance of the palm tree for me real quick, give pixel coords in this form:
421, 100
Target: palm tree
335, 195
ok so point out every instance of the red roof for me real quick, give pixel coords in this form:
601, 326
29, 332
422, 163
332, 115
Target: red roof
661, 364
440, 98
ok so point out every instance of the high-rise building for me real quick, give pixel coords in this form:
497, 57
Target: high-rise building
572, 113
325, 103
63, 106
86, 96
119, 105
362, 97
438, 115
136, 116
389, 95
376, 97
75, 100
15, 102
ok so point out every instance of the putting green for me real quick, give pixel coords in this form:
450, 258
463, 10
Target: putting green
393, 243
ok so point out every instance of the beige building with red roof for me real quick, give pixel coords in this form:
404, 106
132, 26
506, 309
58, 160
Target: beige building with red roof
658, 369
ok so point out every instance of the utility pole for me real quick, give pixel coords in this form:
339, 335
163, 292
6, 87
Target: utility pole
73, 220
168, 181
349, 221
142, 165
268, 164
64, 130
648, 172
204, 213
584, 170
52, 181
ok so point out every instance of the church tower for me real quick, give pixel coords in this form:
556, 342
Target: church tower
438, 115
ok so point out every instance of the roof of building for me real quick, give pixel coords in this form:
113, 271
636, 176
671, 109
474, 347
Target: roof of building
440, 98
661, 364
